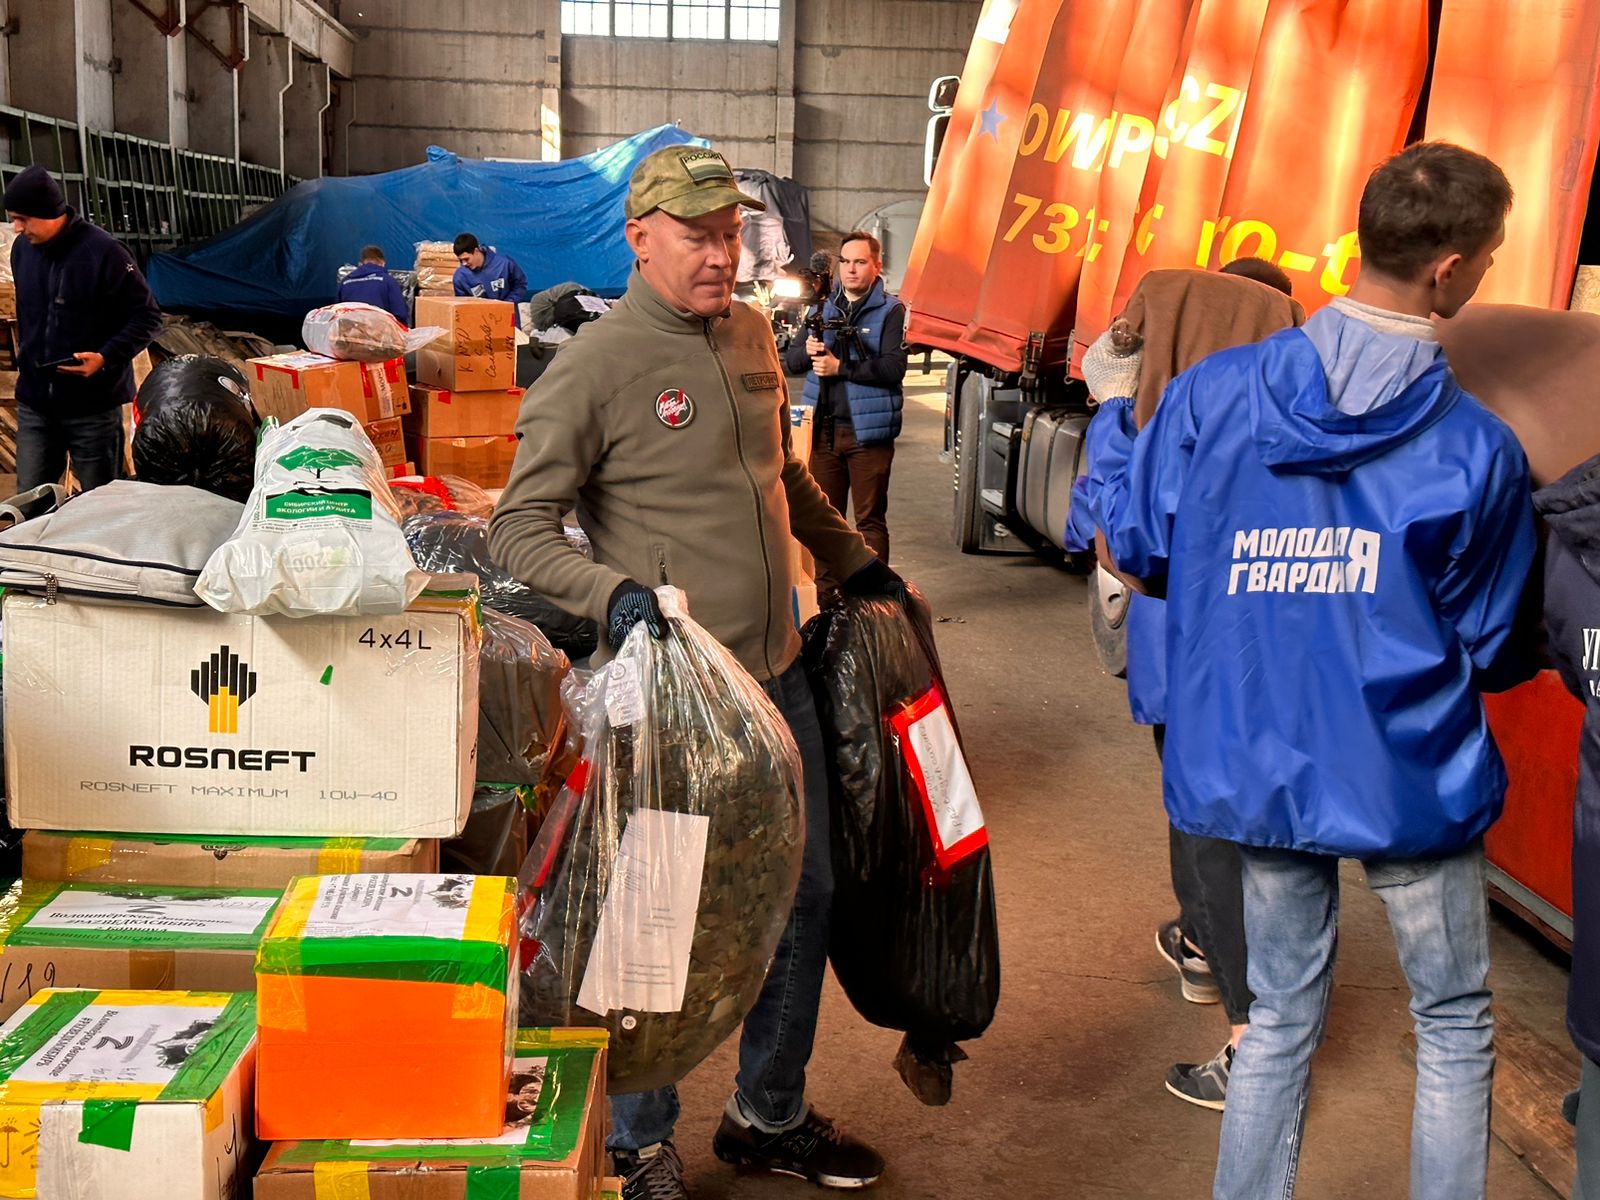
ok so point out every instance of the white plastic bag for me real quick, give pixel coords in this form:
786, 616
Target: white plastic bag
362, 333
321, 532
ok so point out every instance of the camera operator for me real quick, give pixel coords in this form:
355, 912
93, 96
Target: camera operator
855, 358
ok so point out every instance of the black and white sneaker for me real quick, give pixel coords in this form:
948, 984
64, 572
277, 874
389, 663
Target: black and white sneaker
1194, 973
816, 1149
1205, 1084
650, 1173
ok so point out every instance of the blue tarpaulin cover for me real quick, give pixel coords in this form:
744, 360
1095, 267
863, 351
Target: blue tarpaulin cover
561, 221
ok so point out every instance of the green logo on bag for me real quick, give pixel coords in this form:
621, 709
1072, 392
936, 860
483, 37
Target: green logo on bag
300, 506
318, 459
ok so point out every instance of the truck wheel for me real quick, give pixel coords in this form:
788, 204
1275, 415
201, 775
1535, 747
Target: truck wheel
969, 515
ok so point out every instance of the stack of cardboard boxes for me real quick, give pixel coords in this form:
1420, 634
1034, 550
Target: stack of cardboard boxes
376, 394
463, 413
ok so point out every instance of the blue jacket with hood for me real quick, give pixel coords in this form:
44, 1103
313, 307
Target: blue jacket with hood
499, 279
1343, 556
1571, 508
371, 283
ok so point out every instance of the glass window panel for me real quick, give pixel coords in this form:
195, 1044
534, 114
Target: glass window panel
586, 16
753, 20
642, 18
700, 19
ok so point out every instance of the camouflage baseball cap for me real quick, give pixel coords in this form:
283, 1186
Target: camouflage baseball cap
685, 181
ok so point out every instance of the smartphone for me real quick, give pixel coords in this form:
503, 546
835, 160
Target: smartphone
69, 361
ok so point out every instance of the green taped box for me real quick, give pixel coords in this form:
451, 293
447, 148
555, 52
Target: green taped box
553, 1147
128, 936
126, 1095
200, 861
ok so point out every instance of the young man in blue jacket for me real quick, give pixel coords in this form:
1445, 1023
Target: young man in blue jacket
1342, 568
486, 273
83, 314
371, 283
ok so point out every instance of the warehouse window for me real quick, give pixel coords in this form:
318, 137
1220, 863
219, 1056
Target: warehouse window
702, 20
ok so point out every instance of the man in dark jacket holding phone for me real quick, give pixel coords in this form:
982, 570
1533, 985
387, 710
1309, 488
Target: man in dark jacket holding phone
83, 314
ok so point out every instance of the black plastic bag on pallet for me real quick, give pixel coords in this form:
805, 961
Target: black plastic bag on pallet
914, 942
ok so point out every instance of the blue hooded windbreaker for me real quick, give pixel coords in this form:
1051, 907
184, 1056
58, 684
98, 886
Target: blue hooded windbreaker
500, 279
1335, 579
371, 283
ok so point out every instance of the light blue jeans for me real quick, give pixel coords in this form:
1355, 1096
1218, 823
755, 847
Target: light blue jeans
1439, 915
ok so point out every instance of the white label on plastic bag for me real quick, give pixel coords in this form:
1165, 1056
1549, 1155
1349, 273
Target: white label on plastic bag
112, 1044
640, 956
594, 304
432, 906
522, 1098
939, 769
154, 913
624, 696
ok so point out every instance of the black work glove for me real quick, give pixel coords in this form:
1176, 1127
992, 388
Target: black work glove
630, 604
876, 579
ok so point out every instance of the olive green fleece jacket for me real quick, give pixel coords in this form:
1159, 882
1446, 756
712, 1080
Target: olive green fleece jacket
669, 433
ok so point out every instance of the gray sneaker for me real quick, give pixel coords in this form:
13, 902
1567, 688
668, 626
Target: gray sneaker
1205, 1084
651, 1173
1194, 973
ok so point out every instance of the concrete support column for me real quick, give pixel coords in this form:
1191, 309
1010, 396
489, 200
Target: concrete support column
548, 22
783, 116
213, 90
95, 63
305, 110
44, 51
146, 95
263, 81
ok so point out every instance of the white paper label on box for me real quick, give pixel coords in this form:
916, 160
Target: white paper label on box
624, 696
640, 956
522, 1098
148, 914
391, 906
110, 1044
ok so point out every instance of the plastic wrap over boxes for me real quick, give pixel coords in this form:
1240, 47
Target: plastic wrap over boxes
402, 991
127, 1095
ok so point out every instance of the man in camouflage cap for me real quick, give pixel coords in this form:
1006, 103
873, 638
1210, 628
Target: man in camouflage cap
665, 423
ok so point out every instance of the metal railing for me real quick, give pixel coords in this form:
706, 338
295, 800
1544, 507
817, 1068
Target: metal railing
150, 195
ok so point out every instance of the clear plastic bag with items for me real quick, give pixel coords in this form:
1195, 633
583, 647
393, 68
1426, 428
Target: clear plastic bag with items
320, 533
663, 877
520, 719
440, 493
362, 333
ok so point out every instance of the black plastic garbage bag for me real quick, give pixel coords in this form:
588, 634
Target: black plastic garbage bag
196, 427
452, 542
520, 720
914, 942
495, 839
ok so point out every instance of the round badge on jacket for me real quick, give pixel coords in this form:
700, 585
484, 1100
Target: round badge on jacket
674, 409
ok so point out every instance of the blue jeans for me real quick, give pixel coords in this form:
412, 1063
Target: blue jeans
44, 442
1439, 915
778, 1033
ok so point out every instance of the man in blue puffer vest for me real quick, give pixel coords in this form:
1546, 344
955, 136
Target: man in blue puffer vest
853, 384
1344, 534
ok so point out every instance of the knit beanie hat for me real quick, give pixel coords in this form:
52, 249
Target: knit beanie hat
35, 193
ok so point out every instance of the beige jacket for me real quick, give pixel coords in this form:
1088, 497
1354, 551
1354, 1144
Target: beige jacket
670, 435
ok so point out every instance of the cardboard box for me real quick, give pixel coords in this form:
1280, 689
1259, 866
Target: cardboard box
556, 1151
286, 385
478, 350
437, 413
200, 861
402, 987
340, 727
404, 470
485, 461
125, 1095
86, 935
390, 439
8, 302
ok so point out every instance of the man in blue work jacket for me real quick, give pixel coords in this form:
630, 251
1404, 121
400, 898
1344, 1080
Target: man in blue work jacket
486, 273
1344, 568
371, 283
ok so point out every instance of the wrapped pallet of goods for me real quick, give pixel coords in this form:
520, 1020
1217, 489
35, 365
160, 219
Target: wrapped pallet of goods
402, 987
113, 936
552, 1146
663, 878
436, 269
127, 1095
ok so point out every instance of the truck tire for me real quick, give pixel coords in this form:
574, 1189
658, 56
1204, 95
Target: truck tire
968, 515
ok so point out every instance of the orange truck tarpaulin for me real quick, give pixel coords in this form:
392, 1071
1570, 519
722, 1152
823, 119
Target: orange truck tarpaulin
1094, 141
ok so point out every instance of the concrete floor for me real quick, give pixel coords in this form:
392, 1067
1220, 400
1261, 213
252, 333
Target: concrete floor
1063, 1098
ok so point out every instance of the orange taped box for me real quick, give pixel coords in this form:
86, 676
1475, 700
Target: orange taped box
552, 1146
389, 439
76, 935
477, 352
286, 385
438, 413
404, 987
196, 860
486, 461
